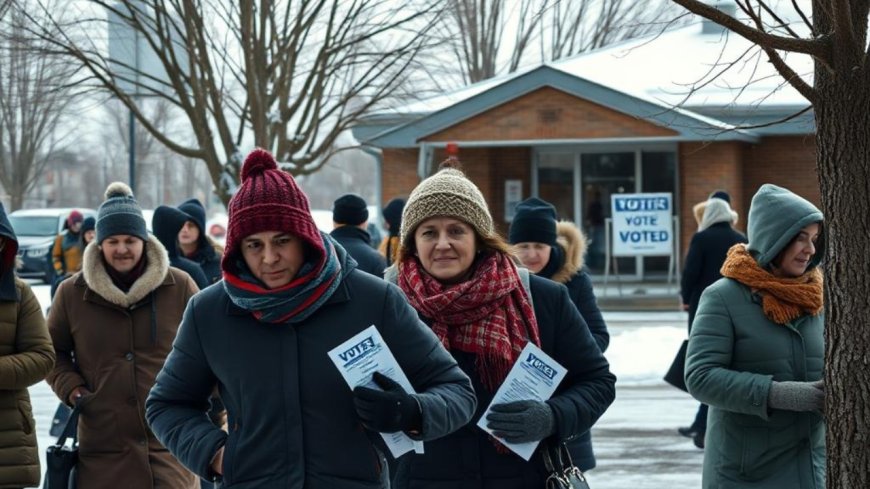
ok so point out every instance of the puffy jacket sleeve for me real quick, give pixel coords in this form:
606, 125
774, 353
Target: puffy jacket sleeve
443, 390
65, 376
176, 408
589, 387
34, 355
709, 355
584, 299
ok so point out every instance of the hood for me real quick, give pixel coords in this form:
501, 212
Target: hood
573, 242
716, 211
166, 224
7, 258
776, 215
97, 278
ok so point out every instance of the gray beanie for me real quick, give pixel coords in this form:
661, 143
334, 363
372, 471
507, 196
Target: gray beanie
120, 214
447, 193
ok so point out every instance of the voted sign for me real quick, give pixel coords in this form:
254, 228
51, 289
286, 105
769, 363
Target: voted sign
642, 224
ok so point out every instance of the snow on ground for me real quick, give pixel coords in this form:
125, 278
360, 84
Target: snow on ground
635, 441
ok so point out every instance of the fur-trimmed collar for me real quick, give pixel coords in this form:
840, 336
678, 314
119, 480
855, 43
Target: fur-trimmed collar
96, 277
573, 243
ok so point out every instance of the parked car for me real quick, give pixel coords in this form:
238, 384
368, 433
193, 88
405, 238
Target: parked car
36, 230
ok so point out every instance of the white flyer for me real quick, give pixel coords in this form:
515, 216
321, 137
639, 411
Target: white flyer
358, 359
535, 376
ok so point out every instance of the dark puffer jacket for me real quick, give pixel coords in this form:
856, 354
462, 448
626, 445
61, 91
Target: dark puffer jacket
357, 243
292, 421
26, 356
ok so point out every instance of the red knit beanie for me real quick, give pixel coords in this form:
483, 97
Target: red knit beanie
268, 199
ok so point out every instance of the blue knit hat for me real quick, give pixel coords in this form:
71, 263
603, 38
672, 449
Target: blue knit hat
534, 221
120, 214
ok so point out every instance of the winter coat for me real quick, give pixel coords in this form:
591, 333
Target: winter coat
26, 356
66, 254
208, 255
167, 223
358, 245
467, 459
119, 342
707, 253
735, 353
572, 248
300, 428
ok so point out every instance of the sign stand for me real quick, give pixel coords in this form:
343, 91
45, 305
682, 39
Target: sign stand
609, 258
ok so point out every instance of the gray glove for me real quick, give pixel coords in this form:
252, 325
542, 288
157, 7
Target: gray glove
521, 421
797, 396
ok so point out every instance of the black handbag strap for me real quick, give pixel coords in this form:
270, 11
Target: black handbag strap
70, 430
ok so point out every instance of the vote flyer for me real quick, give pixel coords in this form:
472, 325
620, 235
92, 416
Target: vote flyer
534, 376
357, 359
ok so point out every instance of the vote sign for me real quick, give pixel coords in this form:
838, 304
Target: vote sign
642, 224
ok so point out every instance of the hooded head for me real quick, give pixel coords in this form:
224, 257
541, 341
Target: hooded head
447, 193
120, 214
776, 216
268, 199
73, 218
166, 223
195, 212
8, 248
534, 222
715, 211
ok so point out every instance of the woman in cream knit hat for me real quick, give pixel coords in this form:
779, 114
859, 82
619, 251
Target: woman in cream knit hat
460, 276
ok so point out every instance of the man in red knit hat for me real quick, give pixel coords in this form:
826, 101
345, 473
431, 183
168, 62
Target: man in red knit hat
290, 295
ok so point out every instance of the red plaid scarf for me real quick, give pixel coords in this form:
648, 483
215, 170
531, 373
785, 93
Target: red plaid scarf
488, 315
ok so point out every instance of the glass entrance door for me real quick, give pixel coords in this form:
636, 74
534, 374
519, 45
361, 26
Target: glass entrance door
602, 175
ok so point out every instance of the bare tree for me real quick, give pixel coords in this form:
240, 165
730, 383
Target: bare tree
476, 29
840, 97
34, 93
286, 76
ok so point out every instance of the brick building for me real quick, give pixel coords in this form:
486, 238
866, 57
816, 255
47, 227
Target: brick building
685, 112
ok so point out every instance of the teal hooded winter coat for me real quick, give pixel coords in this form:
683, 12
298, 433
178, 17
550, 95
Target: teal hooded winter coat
735, 353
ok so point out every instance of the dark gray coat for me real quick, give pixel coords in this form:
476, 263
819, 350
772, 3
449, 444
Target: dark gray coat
292, 421
358, 244
467, 459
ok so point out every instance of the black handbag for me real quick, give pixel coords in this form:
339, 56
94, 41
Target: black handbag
60, 459
676, 374
563, 474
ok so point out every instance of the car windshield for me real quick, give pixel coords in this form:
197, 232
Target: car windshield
34, 225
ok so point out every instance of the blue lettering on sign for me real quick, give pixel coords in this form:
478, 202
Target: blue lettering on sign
540, 366
643, 236
357, 350
634, 204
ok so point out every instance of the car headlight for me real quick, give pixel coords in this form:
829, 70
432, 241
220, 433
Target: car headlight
37, 252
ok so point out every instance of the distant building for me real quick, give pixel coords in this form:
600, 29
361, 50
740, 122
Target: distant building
575, 131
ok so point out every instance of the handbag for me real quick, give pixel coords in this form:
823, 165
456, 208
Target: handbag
676, 374
60, 459
563, 474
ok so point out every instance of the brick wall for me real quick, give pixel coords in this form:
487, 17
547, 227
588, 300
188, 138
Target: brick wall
399, 173
548, 113
787, 161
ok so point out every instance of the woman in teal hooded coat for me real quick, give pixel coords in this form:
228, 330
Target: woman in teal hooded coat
756, 352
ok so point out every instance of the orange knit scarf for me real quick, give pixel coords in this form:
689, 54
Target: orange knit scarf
783, 299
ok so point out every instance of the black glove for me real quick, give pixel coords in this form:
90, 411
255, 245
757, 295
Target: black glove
521, 421
389, 410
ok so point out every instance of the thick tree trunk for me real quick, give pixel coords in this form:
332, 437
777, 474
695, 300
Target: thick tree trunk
843, 137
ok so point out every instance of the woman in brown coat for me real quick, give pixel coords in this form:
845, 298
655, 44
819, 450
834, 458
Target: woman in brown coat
113, 325
26, 357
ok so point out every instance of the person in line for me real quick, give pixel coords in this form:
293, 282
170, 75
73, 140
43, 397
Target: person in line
707, 252
195, 244
88, 231
26, 356
460, 276
66, 254
756, 352
112, 325
349, 219
290, 295
389, 247
554, 250
167, 223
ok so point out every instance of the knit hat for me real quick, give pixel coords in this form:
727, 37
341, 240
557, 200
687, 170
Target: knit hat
350, 209
393, 212
195, 211
74, 217
88, 224
268, 199
721, 194
120, 214
534, 221
447, 193
776, 216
